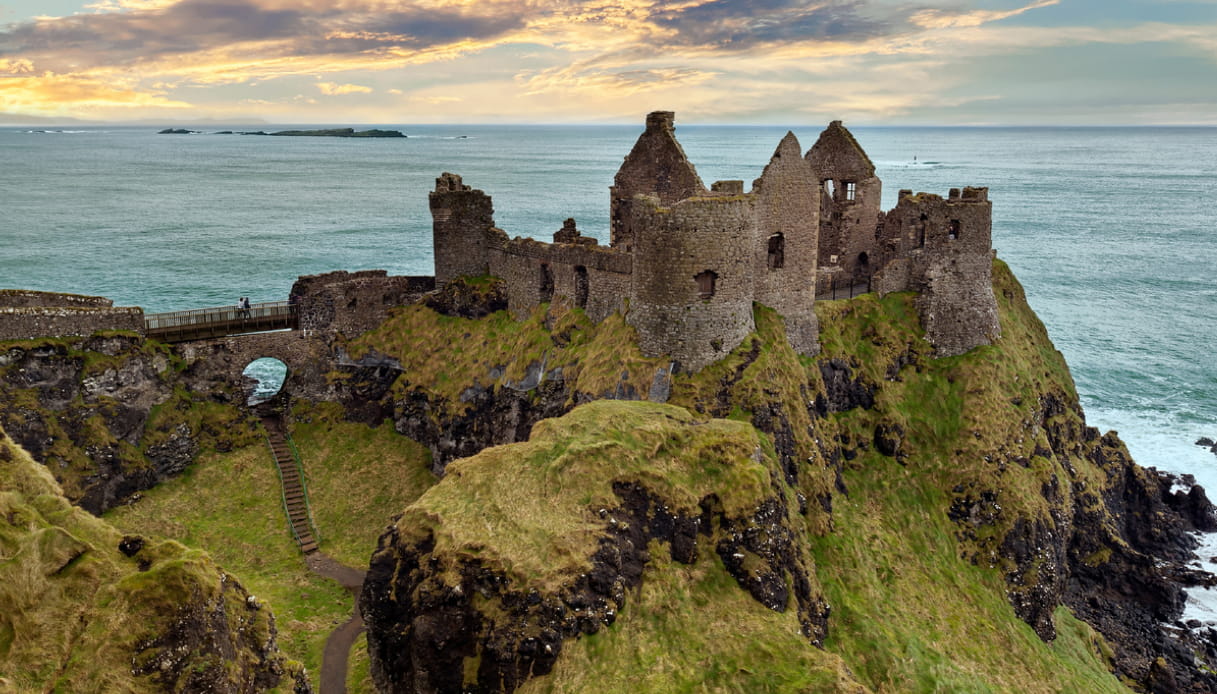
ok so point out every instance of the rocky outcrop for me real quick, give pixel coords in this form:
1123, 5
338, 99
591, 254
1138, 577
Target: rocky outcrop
452, 611
89, 609
106, 414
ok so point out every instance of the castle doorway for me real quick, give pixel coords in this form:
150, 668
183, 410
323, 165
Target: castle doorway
268, 375
581, 286
547, 284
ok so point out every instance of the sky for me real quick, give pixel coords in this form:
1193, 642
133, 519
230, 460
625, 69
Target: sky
869, 62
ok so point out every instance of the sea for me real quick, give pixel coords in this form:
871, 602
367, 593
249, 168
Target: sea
1110, 230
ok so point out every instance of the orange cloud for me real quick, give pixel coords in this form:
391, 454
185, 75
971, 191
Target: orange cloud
332, 89
63, 95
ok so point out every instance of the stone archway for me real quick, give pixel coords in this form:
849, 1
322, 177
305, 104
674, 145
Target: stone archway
266, 376
218, 366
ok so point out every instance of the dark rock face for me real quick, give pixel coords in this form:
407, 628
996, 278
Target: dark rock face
421, 630
47, 390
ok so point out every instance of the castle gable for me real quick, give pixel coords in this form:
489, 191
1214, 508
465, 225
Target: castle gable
657, 166
836, 154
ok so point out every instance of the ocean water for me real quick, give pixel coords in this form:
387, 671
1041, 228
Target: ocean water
1110, 230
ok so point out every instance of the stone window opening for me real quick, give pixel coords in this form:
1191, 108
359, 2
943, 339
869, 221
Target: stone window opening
706, 280
953, 229
547, 284
851, 191
830, 187
777, 252
581, 286
921, 232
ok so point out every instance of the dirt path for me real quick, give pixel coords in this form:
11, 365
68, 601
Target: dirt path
338, 645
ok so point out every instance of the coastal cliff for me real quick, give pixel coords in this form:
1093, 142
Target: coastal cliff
871, 518
917, 522
87, 608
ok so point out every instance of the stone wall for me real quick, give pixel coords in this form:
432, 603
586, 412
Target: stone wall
26, 315
461, 221
28, 298
352, 303
576, 270
786, 247
849, 204
942, 248
693, 281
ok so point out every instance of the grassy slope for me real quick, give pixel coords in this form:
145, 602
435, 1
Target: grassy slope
910, 614
76, 610
229, 504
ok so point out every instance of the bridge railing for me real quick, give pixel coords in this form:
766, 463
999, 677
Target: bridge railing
201, 323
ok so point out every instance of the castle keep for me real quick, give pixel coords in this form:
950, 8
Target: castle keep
685, 263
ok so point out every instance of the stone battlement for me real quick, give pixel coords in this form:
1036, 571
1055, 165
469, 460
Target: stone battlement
691, 261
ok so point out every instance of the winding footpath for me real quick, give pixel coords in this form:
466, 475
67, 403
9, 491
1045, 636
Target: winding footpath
338, 645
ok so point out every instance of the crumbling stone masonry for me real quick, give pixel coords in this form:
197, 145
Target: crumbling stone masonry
687, 263
26, 315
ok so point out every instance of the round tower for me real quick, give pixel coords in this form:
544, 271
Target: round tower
692, 287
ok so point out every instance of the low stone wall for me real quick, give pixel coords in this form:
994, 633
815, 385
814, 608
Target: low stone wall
28, 298
353, 303
65, 321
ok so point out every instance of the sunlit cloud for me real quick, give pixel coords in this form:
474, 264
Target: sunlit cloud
942, 19
332, 89
867, 58
59, 95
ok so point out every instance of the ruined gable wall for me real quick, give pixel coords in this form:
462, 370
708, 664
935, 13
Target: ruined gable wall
657, 166
715, 233
461, 220
787, 195
847, 227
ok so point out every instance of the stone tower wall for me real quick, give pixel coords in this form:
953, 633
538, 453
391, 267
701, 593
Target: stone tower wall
677, 244
461, 220
786, 246
942, 249
657, 166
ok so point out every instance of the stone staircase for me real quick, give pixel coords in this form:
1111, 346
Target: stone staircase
295, 497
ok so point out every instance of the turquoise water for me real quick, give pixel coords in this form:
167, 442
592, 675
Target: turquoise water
1110, 230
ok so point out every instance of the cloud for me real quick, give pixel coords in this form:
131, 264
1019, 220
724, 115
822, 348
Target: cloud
58, 95
331, 89
943, 19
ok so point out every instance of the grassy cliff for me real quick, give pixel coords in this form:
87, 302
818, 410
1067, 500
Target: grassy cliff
87, 608
908, 523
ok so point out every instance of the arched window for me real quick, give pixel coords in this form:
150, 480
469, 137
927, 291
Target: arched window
705, 283
777, 252
830, 187
547, 284
581, 286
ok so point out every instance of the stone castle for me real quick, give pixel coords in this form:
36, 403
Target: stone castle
686, 263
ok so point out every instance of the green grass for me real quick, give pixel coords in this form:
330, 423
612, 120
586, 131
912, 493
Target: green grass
529, 508
79, 614
358, 479
230, 505
690, 628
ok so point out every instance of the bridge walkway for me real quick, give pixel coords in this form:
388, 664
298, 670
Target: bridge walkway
204, 323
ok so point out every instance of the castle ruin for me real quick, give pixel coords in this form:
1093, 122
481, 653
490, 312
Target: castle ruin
686, 263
